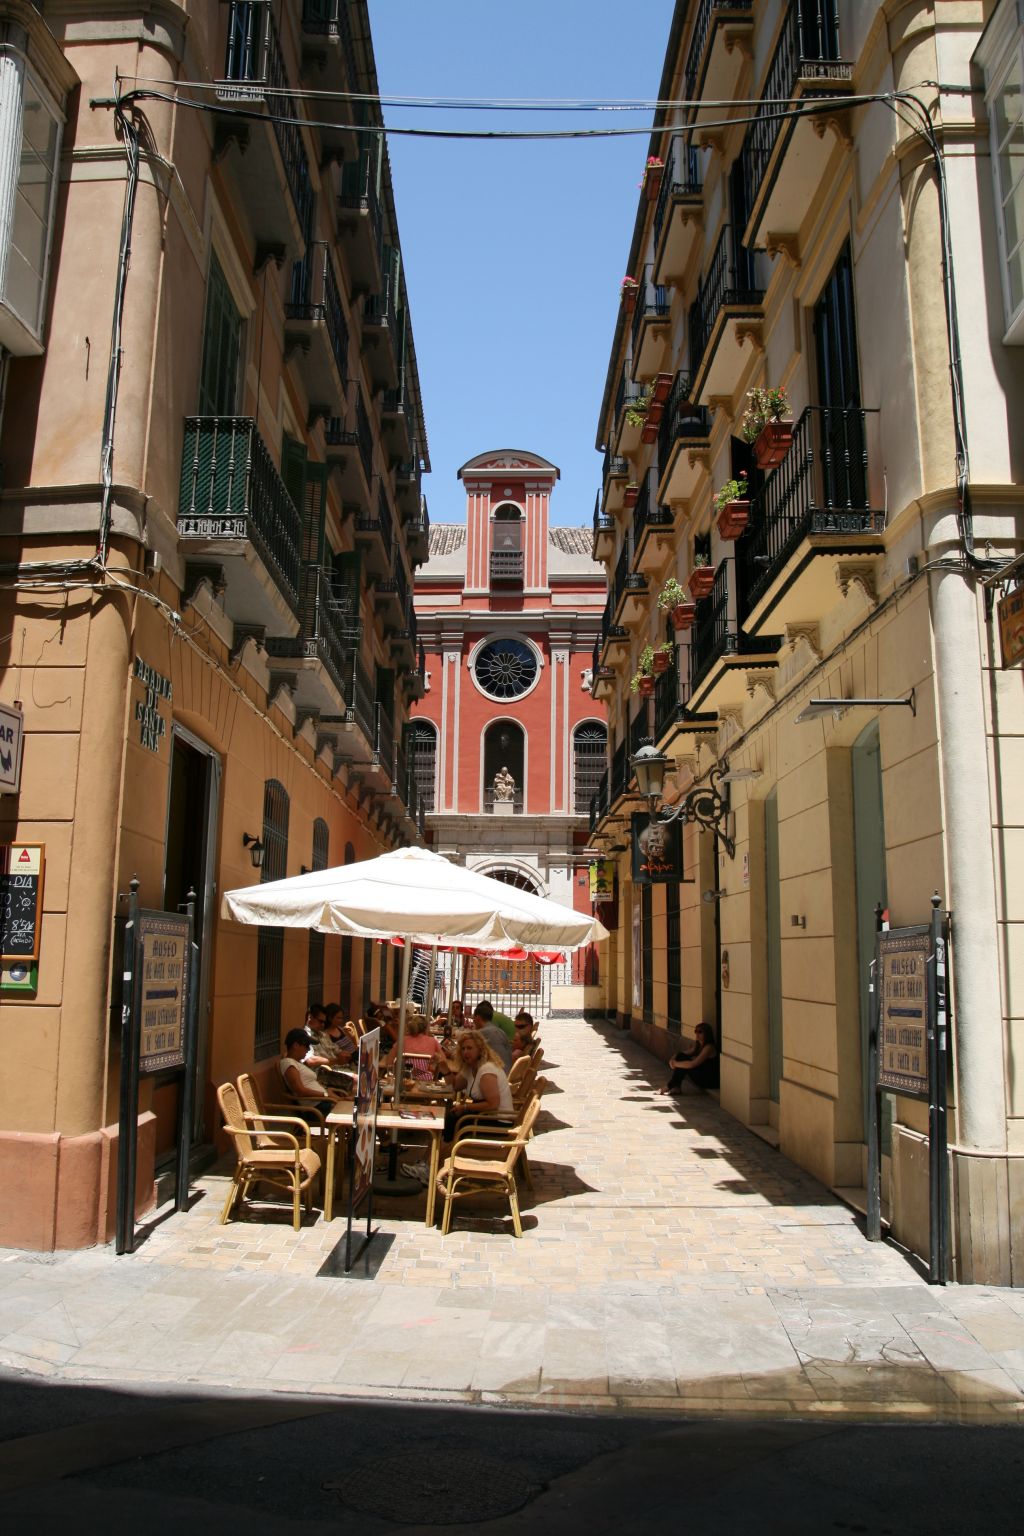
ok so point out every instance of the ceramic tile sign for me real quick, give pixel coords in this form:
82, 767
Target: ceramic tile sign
903, 1033
21, 903
163, 948
11, 737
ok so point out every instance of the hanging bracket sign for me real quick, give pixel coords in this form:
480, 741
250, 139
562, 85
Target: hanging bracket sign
12, 734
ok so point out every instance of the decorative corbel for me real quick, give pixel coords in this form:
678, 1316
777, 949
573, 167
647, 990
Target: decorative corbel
304, 717
295, 342
246, 634
730, 719
198, 574
808, 634
226, 133
712, 139
761, 680
785, 246
699, 459
861, 574
317, 412
838, 121
739, 39
282, 684
720, 403
753, 332
268, 251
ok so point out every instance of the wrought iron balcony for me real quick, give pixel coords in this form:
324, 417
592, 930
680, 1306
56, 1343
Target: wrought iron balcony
721, 653
231, 495
629, 587
625, 436
384, 739
650, 326
416, 685
672, 715
649, 517
417, 534
620, 775
375, 536
685, 429
352, 449
330, 629
806, 63
728, 301
710, 15
315, 325
640, 728
254, 75
359, 220
383, 324
815, 505
604, 531
711, 635
681, 181
361, 705
507, 566
599, 803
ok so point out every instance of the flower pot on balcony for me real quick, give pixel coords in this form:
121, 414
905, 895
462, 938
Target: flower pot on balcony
683, 615
630, 495
773, 443
649, 431
645, 687
628, 296
733, 518
662, 661
652, 182
701, 583
662, 388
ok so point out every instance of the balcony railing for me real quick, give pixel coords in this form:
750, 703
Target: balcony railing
359, 696
599, 802
821, 487
807, 46
506, 565
666, 700
647, 513
516, 802
230, 489
358, 194
620, 772
614, 467
728, 280
319, 298
328, 18
699, 37
627, 393
651, 304
330, 624
711, 635
384, 737
255, 61
603, 522
681, 419
681, 178
640, 728
625, 578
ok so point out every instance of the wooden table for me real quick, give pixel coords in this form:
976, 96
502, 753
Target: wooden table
426, 1118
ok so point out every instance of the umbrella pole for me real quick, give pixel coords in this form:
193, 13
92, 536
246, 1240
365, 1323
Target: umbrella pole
397, 1101
428, 1003
451, 986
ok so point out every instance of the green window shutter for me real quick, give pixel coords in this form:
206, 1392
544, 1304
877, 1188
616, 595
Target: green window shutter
222, 345
293, 470
314, 514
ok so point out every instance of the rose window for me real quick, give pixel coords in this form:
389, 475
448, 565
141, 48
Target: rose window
505, 669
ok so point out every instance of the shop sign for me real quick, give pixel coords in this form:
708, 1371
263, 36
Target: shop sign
602, 880
364, 1116
657, 850
21, 905
163, 973
151, 723
903, 956
12, 734
1011, 627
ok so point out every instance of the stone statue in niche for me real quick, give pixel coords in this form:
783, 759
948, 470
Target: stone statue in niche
504, 785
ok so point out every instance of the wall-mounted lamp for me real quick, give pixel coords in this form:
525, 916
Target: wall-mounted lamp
711, 896
704, 804
256, 850
814, 709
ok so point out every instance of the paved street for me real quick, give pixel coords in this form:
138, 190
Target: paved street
672, 1263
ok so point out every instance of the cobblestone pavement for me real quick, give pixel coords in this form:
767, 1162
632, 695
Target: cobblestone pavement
670, 1260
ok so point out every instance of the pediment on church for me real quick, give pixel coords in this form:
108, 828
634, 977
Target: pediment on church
508, 459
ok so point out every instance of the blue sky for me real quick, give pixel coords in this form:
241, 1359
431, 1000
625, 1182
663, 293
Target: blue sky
514, 251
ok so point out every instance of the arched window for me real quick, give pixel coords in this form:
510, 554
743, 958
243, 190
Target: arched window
504, 758
315, 977
423, 744
589, 754
507, 544
270, 942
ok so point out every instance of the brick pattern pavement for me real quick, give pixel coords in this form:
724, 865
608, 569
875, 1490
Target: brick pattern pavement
670, 1259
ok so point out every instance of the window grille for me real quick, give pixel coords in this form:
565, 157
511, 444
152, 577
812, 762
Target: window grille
315, 977
674, 959
270, 943
423, 742
222, 344
590, 756
647, 950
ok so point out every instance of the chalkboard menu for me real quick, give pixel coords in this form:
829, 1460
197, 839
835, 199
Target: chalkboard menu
21, 900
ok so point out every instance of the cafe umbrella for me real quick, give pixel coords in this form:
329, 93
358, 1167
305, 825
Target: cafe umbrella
422, 898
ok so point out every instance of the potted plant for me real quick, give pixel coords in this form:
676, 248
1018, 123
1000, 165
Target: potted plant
653, 172
627, 294
663, 657
631, 493
672, 600
766, 426
642, 681
701, 581
732, 507
637, 409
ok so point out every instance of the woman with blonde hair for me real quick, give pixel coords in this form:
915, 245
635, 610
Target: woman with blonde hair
477, 1071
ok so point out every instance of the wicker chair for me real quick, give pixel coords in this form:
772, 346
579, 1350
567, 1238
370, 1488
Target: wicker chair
486, 1164
537, 1055
259, 1109
521, 1078
481, 1126
282, 1161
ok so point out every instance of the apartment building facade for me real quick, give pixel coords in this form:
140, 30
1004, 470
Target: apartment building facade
835, 684
211, 516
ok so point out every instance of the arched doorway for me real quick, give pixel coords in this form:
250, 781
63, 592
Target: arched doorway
504, 748
508, 984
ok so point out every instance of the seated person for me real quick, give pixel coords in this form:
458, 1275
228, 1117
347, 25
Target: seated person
484, 1013
332, 1047
699, 1066
380, 1016
298, 1075
497, 1042
477, 1072
419, 1050
525, 1039
450, 1019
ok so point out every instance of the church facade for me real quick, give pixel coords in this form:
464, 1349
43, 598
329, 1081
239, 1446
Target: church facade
507, 743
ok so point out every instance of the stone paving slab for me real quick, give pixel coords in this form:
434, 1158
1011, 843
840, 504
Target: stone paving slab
671, 1260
